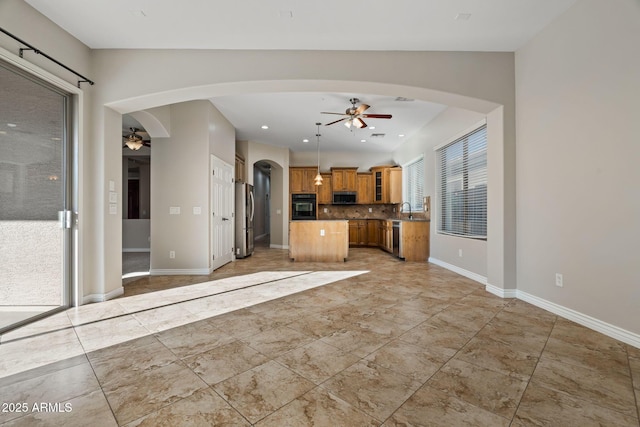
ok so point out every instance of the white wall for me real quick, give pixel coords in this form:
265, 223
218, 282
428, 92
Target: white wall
445, 249
578, 157
180, 178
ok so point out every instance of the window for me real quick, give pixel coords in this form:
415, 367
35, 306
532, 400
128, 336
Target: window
462, 187
413, 185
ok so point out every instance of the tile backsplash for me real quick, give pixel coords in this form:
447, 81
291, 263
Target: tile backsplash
362, 212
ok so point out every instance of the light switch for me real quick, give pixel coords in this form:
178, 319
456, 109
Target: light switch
197, 210
113, 209
174, 210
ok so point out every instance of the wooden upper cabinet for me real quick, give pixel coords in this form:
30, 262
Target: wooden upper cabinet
344, 179
395, 185
301, 179
240, 169
365, 188
387, 184
324, 191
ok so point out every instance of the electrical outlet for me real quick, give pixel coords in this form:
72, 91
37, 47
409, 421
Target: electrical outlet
460, 253
370, 210
326, 210
559, 280
322, 232
172, 254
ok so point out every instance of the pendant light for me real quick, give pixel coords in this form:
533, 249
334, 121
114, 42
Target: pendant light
318, 179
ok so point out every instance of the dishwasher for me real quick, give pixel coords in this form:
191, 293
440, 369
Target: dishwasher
397, 244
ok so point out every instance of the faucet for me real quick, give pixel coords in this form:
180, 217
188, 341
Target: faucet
407, 203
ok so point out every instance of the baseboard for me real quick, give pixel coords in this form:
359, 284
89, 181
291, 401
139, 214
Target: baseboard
180, 272
136, 249
461, 271
87, 299
273, 246
582, 319
567, 313
502, 293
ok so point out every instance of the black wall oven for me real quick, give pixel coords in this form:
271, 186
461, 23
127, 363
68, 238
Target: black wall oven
303, 206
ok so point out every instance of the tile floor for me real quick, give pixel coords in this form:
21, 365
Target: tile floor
381, 343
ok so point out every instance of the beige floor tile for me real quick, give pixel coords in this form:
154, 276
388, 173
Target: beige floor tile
408, 359
60, 386
494, 355
134, 396
610, 390
194, 338
88, 410
317, 361
225, 361
439, 335
318, 408
375, 390
203, 408
541, 406
276, 341
431, 407
604, 361
129, 359
356, 340
489, 390
262, 390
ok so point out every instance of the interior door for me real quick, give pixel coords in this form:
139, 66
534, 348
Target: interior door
222, 206
35, 198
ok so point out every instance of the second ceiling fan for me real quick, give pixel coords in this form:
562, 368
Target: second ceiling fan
354, 115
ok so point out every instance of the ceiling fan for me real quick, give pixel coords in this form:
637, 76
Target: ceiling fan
354, 115
135, 141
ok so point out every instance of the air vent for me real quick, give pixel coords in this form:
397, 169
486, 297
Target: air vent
403, 99
377, 135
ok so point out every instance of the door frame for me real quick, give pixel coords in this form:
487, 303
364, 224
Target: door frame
72, 154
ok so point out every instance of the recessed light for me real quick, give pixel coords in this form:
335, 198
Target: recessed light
462, 17
265, 127
56, 139
372, 127
12, 125
401, 135
3, 132
363, 140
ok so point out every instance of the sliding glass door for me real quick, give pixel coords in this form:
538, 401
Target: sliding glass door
35, 196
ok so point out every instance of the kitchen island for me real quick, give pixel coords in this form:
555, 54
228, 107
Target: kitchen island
318, 240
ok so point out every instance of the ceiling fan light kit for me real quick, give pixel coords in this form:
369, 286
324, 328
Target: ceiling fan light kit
354, 115
134, 141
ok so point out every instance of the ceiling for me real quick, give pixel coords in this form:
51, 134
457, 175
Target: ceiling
440, 25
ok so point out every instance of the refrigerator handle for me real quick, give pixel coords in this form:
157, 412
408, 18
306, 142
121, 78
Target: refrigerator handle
252, 204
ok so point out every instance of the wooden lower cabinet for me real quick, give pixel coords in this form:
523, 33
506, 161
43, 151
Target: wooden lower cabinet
357, 232
415, 240
372, 232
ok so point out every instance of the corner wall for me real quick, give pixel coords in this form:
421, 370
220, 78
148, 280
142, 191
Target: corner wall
578, 209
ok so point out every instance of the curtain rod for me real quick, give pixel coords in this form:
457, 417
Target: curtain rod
39, 52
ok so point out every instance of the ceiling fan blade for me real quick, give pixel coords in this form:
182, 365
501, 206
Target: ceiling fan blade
339, 114
337, 121
361, 109
376, 116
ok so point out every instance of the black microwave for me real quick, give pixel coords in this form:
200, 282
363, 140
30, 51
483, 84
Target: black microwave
344, 198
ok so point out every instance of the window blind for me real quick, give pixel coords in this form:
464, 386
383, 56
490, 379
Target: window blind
462, 187
413, 187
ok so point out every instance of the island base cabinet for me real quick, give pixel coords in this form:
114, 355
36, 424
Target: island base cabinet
322, 241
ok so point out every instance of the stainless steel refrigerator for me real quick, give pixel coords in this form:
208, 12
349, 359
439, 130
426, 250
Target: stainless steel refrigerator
245, 208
